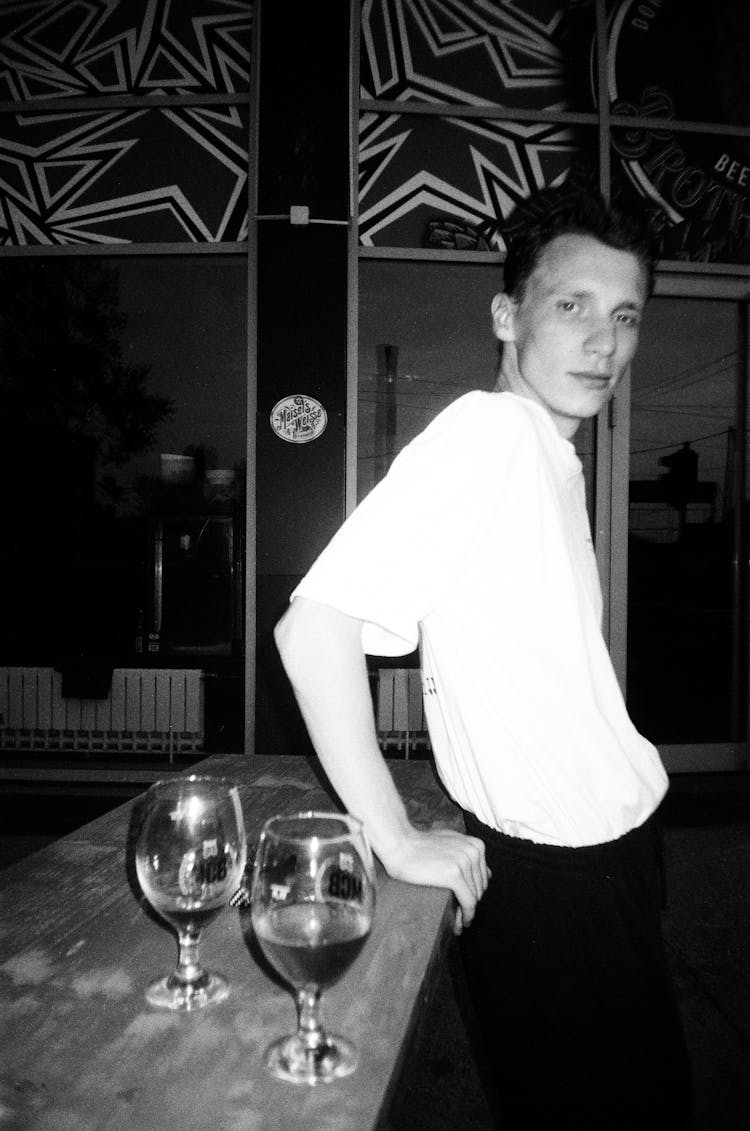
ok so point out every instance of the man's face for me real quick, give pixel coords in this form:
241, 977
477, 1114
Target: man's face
571, 337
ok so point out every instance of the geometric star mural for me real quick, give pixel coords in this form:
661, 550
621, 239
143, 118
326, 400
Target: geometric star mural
427, 181
120, 174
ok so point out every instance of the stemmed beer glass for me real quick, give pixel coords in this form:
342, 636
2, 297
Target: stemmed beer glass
190, 856
313, 900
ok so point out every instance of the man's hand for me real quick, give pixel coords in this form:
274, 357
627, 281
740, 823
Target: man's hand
445, 859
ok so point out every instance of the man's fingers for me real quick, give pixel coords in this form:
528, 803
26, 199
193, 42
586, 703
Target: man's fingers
477, 873
467, 897
471, 883
471, 875
480, 871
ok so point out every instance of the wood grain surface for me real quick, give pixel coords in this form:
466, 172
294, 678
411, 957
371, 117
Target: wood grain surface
81, 1050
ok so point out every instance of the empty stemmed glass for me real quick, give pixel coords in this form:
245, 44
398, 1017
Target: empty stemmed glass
190, 856
312, 900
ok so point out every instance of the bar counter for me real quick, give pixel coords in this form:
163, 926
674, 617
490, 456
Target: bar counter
80, 1048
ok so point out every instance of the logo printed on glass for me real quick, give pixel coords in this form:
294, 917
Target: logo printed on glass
298, 419
203, 876
339, 878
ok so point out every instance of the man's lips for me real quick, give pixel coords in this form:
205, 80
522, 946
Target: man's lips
593, 378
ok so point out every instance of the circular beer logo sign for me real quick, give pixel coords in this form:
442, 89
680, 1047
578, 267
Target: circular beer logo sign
679, 59
298, 419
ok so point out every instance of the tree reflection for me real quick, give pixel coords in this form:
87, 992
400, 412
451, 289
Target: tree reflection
73, 411
61, 359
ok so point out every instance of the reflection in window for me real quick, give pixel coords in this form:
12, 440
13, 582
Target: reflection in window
425, 338
684, 673
123, 416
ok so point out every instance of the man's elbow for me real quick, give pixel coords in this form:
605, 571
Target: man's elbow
298, 635
310, 634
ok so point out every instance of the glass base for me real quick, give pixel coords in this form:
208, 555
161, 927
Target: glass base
289, 1059
172, 993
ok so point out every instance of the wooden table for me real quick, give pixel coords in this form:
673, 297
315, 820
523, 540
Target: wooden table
81, 1050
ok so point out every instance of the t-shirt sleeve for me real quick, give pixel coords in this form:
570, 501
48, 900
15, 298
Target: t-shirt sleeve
405, 543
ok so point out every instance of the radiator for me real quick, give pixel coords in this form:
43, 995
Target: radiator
400, 711
146, 710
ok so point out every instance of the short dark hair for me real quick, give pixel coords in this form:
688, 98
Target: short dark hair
566, 211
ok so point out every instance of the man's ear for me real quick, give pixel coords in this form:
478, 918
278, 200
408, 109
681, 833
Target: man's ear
503, 317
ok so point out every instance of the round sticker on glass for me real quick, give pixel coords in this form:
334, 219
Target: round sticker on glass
298, 419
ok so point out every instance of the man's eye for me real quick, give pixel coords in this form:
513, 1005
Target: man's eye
568, 306
627, 318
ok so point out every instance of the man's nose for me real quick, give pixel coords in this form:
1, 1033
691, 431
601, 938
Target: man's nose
601, 338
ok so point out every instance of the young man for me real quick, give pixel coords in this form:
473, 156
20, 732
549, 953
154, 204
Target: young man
477, 547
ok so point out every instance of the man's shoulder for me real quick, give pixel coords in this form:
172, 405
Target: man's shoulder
497, 424
485, 411
480, 434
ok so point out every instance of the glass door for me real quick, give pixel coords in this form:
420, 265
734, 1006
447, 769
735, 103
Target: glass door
665, 473
686, 652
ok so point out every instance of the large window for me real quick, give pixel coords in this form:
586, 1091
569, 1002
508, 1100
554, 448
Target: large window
687, 662
123, 405
424, 339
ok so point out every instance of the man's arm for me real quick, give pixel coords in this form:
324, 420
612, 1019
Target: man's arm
321, 649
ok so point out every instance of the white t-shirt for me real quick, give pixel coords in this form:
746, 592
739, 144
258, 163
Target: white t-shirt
476, 545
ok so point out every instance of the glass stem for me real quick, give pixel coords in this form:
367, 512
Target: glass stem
189, 970
309, 1029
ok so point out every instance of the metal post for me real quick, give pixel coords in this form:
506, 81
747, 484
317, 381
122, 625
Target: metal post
385, 409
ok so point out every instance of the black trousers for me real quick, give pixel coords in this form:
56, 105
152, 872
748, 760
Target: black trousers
566, 970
